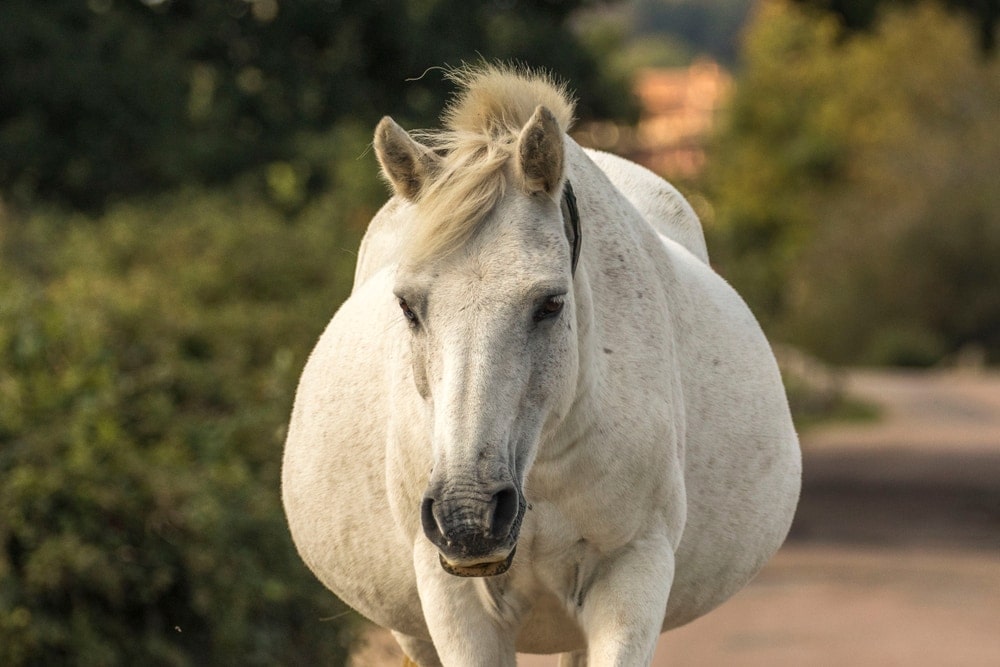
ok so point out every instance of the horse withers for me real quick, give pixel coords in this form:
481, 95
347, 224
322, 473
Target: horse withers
540, 422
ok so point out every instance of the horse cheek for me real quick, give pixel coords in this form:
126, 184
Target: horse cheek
418, 367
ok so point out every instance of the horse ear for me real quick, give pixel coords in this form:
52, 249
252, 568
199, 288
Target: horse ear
406, 164
540, 153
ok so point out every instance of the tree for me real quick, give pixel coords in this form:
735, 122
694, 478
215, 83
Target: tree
864, 14
853, 185
109, 98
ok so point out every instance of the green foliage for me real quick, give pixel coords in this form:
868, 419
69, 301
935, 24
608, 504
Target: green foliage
776, 140
148, 360
110, 98
855, 184
864, 14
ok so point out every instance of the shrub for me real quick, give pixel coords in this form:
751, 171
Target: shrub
148, 360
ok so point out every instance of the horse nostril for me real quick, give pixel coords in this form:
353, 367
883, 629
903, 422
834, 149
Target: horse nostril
505, 509
431, 527
470, 526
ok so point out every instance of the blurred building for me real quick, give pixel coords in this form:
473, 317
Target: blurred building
679, 107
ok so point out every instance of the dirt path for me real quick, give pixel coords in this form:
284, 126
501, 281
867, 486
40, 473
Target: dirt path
894, 557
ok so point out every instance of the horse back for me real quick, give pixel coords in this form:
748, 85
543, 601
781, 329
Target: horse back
658, 202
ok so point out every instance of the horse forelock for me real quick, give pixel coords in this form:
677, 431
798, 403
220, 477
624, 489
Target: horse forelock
481, 127
499, 99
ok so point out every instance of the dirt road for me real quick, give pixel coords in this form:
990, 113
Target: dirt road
894, 557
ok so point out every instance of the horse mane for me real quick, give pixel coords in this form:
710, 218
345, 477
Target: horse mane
481, 127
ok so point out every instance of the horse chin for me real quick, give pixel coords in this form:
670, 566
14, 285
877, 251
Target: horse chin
490, 569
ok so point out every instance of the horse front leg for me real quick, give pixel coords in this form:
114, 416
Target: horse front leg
470, 620
417, 652
621, 610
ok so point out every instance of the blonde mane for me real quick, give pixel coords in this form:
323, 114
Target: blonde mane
481, 127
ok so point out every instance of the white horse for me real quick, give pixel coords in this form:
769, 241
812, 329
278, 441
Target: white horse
536, 425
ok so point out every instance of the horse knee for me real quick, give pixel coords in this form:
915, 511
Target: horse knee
574, 659
417, 652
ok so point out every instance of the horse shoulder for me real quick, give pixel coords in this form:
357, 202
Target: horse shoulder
656, 200
334, 484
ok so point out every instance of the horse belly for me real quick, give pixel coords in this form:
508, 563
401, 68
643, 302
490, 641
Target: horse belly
742, 464
739, 512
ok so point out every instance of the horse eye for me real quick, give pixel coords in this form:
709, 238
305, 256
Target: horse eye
550, 308
407, 312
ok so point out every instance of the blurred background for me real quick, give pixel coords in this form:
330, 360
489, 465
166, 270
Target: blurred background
183, 186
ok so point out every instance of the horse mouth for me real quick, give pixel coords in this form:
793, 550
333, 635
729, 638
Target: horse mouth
490, 569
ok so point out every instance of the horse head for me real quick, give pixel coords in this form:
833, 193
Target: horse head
485, 289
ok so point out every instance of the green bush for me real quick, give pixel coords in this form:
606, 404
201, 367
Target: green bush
905, 345
148, 361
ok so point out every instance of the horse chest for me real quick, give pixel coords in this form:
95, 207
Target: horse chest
577, 526
608, 490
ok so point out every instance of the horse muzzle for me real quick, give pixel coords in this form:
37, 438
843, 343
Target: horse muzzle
475, 534
489, 569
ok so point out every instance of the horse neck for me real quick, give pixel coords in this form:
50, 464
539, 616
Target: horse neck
618, 276
602, 227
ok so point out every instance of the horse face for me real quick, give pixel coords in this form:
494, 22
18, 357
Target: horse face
491, 322
494, 357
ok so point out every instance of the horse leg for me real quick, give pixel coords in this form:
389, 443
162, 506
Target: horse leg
465, 634
623, 608
574, 659
416, 652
